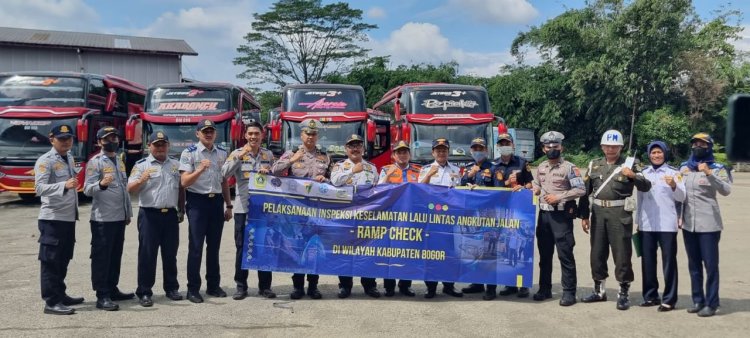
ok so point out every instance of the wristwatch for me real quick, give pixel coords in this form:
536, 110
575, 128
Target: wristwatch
230, 206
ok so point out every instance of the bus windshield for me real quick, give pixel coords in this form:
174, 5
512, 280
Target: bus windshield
29, 138
460, 137
182, 136
187, 101
312, 100
331, 135
17, 90
446, 101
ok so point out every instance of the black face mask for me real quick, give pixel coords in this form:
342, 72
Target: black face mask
110, 147
553, 154
699, 152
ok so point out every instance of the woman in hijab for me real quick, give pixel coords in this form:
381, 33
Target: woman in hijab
657, 223
701, 221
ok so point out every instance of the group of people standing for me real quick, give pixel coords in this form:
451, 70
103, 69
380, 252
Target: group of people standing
196, 185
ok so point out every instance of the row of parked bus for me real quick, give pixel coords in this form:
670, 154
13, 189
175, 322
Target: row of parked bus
32, 103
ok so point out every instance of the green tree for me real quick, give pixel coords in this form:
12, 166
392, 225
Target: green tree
667, 125
301, 41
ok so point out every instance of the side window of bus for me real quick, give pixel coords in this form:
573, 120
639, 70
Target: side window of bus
97, 95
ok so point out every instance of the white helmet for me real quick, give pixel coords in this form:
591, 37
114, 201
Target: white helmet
612, 138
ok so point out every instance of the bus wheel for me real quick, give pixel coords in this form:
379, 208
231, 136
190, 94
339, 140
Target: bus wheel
29, 198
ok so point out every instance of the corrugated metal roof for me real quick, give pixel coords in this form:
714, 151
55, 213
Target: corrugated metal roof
94, 41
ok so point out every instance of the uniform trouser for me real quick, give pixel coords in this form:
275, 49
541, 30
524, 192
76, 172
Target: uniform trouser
107, 239
298, 280
157, 228
703, 251
650, 242
432, 286
611, 227
347, 282
56, 242
240, 275
390, 284
555, 230
206, 222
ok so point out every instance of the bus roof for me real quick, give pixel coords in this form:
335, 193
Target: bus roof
321, 85
115, 81
391, 94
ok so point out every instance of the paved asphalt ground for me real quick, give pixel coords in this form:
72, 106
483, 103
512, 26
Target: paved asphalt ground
21, 306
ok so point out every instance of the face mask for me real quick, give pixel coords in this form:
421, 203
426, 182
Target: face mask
479, 156
553, 154
699, 152
505, 150
110, 147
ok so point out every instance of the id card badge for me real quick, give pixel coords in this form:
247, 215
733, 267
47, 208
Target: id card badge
246, 167
154, 172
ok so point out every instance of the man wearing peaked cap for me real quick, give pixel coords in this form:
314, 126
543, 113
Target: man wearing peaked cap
161, 202
310, 126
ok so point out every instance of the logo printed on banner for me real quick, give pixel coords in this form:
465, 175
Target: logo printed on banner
276, 182
308, 187
260, 181
323, 188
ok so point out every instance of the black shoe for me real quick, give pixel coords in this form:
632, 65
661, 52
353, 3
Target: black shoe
474, 288
194, 297
314, 293
695, 309
344, 293
372, 292
240, 294
567, 299
58, 309
523, 293
665, 308
623, 303
174, 295
406, 292
297, 294
489, 295
650, 303
68, 300
706, 311
508, 290
542, 295
267, 293
594, 297
107, 304
389, 292
145, 301
452, 291
217, 292
118, 295
430, 294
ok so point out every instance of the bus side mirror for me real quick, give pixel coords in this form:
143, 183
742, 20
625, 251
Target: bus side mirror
276, 131
130, 129
109, 106
82, 130
370, 131
406, 133
738, 122
397, 110
234, 130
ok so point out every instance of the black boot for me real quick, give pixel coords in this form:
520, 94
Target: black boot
623, 303
598, 295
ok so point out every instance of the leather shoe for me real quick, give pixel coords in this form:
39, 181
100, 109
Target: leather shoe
623, 303
473, 288
389, 292
240, 294
594, 297
372, 292
267, 293
567, 299
706, 311
145, 301
68, 300
314, 293
542, 295
297, 294
665, 308
194, 297
430, 294
107, 304
344, 293
174, 295
118, 295
452, 292
406, 292
58, 309
489, 295
650, 303
217, 292
523, 293
508, 290
695, 309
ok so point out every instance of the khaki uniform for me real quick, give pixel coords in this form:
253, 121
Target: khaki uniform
310, 165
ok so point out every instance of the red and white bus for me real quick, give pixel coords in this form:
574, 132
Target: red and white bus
32, 103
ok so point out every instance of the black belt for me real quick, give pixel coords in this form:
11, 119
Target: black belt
162, 210
212, 195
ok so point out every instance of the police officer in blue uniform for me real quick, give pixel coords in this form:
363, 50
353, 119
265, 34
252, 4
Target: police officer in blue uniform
240, 164
106, 182
161, 203
55, 182
207, 190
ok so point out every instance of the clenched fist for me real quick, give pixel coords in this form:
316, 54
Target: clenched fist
71, 183
205, 164
107, 180
358, 168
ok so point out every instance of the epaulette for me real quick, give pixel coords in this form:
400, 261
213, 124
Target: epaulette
671, 167
220, 148
141, 160
191, 148
716, 165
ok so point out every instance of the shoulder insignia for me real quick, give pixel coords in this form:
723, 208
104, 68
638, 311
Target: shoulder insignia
347, 165
528, 166
191, 148
141, 160
42, 168
220, 148
577, 171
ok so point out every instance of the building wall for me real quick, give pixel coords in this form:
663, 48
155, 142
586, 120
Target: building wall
146, 69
